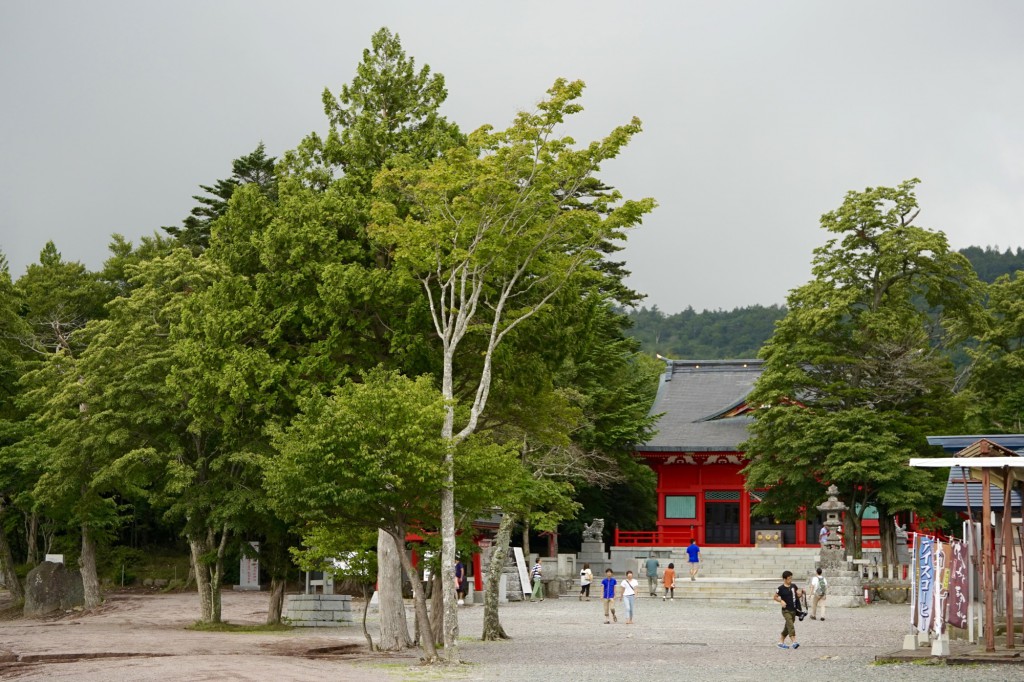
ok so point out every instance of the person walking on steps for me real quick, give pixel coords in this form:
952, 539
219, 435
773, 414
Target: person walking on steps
629, 586
693, 551
788, 595
819, 587
538, 585
586, 577
669, 580
608, 595
652, 575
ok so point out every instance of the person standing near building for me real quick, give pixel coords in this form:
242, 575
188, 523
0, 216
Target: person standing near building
693, 551
461, 587
629, 586
586, 577
788, 595
819, 587
669, 580
538, 586
652, 575
823, 536
608, 595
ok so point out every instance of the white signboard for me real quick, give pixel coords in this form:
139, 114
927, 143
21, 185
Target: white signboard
524, 575
249, 571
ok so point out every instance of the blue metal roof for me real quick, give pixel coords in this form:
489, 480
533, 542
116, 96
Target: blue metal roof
954, 444
956, 493
956, 496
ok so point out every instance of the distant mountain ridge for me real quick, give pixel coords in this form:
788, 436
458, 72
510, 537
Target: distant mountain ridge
740, 333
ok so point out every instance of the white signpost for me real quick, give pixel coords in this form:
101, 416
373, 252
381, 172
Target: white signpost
249, 572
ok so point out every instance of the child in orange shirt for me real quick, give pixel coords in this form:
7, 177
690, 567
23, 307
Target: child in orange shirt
669, 580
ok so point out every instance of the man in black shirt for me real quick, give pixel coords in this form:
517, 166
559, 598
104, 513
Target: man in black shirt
788, 595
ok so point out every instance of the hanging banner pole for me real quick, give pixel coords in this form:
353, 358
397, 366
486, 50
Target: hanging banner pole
914, 581
986, 560
1008, 556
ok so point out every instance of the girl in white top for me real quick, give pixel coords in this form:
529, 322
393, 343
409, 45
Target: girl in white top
629, 586
586, 577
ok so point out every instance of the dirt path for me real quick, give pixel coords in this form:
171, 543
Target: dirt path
143, 637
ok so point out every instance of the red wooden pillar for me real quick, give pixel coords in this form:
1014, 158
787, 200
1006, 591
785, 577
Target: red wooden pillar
745, 535
801, 529
478, 577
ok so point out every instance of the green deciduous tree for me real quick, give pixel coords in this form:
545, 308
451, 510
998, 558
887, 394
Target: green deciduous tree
494, 230
996, 382
855, 376
59, 298
366, 457
16, 475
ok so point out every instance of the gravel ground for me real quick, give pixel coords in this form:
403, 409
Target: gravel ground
557, 640
568, 640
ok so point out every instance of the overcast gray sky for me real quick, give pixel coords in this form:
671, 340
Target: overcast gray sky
758, 116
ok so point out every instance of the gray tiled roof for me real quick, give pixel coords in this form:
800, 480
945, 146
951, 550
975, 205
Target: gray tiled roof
692, 395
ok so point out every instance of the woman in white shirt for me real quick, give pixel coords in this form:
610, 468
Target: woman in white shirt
586, 577
629, 586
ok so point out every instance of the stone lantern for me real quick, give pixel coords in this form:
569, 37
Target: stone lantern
845, 586
833, 508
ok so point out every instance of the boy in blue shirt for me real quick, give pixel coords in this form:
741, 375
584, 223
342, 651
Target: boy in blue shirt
694, 553
609, 584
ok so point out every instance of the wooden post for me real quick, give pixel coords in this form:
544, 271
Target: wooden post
1008, 555
986, 560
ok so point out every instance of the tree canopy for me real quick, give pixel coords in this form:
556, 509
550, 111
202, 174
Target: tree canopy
854, 375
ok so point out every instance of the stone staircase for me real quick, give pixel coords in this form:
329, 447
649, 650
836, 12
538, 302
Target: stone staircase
749, 563
725, 591
733, 575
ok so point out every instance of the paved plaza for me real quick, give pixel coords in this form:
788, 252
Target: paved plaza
556, 640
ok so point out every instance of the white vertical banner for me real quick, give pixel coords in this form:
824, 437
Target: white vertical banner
914, 565
943, 559
926, 583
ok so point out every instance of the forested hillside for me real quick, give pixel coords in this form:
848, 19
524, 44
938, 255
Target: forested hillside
990, 263
740, 333
709, 334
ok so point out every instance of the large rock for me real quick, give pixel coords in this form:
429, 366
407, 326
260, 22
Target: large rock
52, 588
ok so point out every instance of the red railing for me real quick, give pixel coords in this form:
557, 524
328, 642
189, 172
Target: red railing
654, 538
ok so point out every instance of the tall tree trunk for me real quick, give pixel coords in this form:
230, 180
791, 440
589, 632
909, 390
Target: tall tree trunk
492, 624
87, 564
276, 605
887, 536
198, 549
209, 571
217, 574
394, 629
450, 607
526, 540
420, 601
32, 539
366, 608
11, 581
852, 528
436, 608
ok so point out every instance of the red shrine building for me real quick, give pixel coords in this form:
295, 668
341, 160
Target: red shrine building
696, 455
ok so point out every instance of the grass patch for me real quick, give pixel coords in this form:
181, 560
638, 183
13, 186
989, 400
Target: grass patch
231, 627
